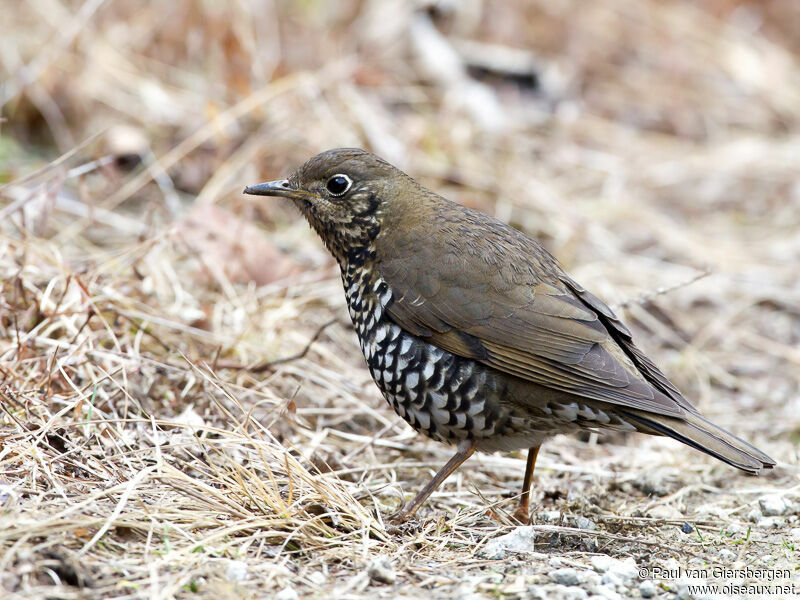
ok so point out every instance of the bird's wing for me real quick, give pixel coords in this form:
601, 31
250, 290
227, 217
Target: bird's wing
497, 297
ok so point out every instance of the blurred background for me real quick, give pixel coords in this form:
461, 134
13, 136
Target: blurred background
652, 146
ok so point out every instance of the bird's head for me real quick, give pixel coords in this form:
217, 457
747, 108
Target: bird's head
344, 194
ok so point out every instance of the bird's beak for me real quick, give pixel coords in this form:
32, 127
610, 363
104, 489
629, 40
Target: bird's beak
279, 187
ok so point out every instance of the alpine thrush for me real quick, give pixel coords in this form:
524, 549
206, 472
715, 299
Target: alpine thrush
472, 331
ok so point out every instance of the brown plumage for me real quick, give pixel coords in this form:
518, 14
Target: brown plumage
473, 332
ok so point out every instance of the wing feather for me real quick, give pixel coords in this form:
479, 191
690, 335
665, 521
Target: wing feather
498, 297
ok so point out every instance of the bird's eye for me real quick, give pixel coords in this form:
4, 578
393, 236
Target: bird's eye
338, 184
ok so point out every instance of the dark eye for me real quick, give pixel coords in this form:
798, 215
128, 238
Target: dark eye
338, 184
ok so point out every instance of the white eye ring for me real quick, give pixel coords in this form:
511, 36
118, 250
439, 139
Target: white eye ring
335, 182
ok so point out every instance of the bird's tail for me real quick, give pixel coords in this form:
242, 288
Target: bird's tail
701, 434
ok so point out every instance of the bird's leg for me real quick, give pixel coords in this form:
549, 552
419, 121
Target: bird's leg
522, 512
465, 449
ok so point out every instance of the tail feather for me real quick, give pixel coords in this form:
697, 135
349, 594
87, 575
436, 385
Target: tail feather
701, 434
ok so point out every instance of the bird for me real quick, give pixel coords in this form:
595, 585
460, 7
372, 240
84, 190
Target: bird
473, 332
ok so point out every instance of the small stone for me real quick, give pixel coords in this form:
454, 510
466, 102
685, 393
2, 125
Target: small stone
672, 564
612, 579
733, 529
236, 571
574, 593
647, 589
565, 576
589, 579
550, 516
726, 555
287, 593
382, 570
584, 523
607, 592
600, 562
794, 533
318, 578
686, 528
711, 510
770, 523
774, 505
651, 484
665, 511
754, 516
557, 591
5, 492
519, 540
625, 569
691, 589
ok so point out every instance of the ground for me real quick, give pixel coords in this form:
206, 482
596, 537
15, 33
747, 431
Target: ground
185, 409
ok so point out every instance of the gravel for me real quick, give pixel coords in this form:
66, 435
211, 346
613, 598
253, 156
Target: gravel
382, 570
774, 505
566, 576
647, 589
519, 540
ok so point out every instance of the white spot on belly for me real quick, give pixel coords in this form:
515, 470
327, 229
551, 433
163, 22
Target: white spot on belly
427, 370
478, 422
440, 416
439, 400
402, 363
475, 407
412, 379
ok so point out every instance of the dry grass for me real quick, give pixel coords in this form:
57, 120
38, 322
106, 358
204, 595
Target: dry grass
148, 446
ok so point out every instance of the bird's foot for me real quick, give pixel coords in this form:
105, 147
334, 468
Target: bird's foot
522, 515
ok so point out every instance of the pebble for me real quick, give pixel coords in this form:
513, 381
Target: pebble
686, 528
685, 587
5, 492
564, 593
770, 523
584, 523
604, 591
726, 555
600, 562
566, 576
626, 569
382, 570
755, 515
651, 484
794, 533
711, 510
236, 571
613, 580
733, 529
647, 589
666, 512
519, 540
550, 516
287, 593
774, 505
